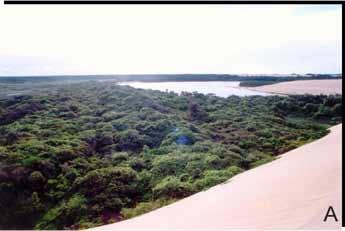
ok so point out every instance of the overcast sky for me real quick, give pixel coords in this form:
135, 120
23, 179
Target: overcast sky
149, 39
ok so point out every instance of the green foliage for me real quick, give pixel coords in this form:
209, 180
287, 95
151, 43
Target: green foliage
172, 187
256, 83
74, 156
37, 180
257, 158
169, 165
214, 177
64, 215
145, 207
180, 136
107, 189
129, 140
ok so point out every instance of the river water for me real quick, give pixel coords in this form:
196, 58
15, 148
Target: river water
219, 88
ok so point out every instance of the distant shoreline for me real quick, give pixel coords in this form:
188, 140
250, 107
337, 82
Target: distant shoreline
245, 80
314, 87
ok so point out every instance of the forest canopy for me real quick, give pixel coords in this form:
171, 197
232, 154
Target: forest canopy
85, 154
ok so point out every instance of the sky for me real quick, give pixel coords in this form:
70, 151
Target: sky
170, 39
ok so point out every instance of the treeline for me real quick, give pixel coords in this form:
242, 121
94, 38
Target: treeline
257, 83
81, 155
268, 80
245, 80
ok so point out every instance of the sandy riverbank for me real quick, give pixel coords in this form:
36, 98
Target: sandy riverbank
293, 192
315, 87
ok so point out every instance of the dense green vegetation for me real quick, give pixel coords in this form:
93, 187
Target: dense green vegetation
257, 83
81, 155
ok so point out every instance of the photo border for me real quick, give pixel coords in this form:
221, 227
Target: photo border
200, 2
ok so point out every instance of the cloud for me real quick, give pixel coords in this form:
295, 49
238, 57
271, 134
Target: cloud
172, 39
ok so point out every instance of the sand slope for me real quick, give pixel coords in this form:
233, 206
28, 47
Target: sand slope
315, 87
293, 192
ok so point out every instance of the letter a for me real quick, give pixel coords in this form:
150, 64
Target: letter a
330, 213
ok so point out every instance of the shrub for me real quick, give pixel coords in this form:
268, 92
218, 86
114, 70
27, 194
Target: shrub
214, 177
109, 188
172, 187
37, 180
169, 165
145, 207
129, 140
64, 215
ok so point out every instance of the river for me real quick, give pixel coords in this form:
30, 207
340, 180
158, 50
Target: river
219, 88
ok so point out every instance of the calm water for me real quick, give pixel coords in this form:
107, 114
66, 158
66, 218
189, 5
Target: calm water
219, 88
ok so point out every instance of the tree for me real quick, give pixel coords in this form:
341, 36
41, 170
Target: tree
172, 187
108, 188
37, 180
129, 140
196, 112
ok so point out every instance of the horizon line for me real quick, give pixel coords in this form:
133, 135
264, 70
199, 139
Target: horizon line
233, 74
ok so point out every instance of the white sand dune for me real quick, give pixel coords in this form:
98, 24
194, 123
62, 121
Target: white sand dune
315, 87
293, 192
